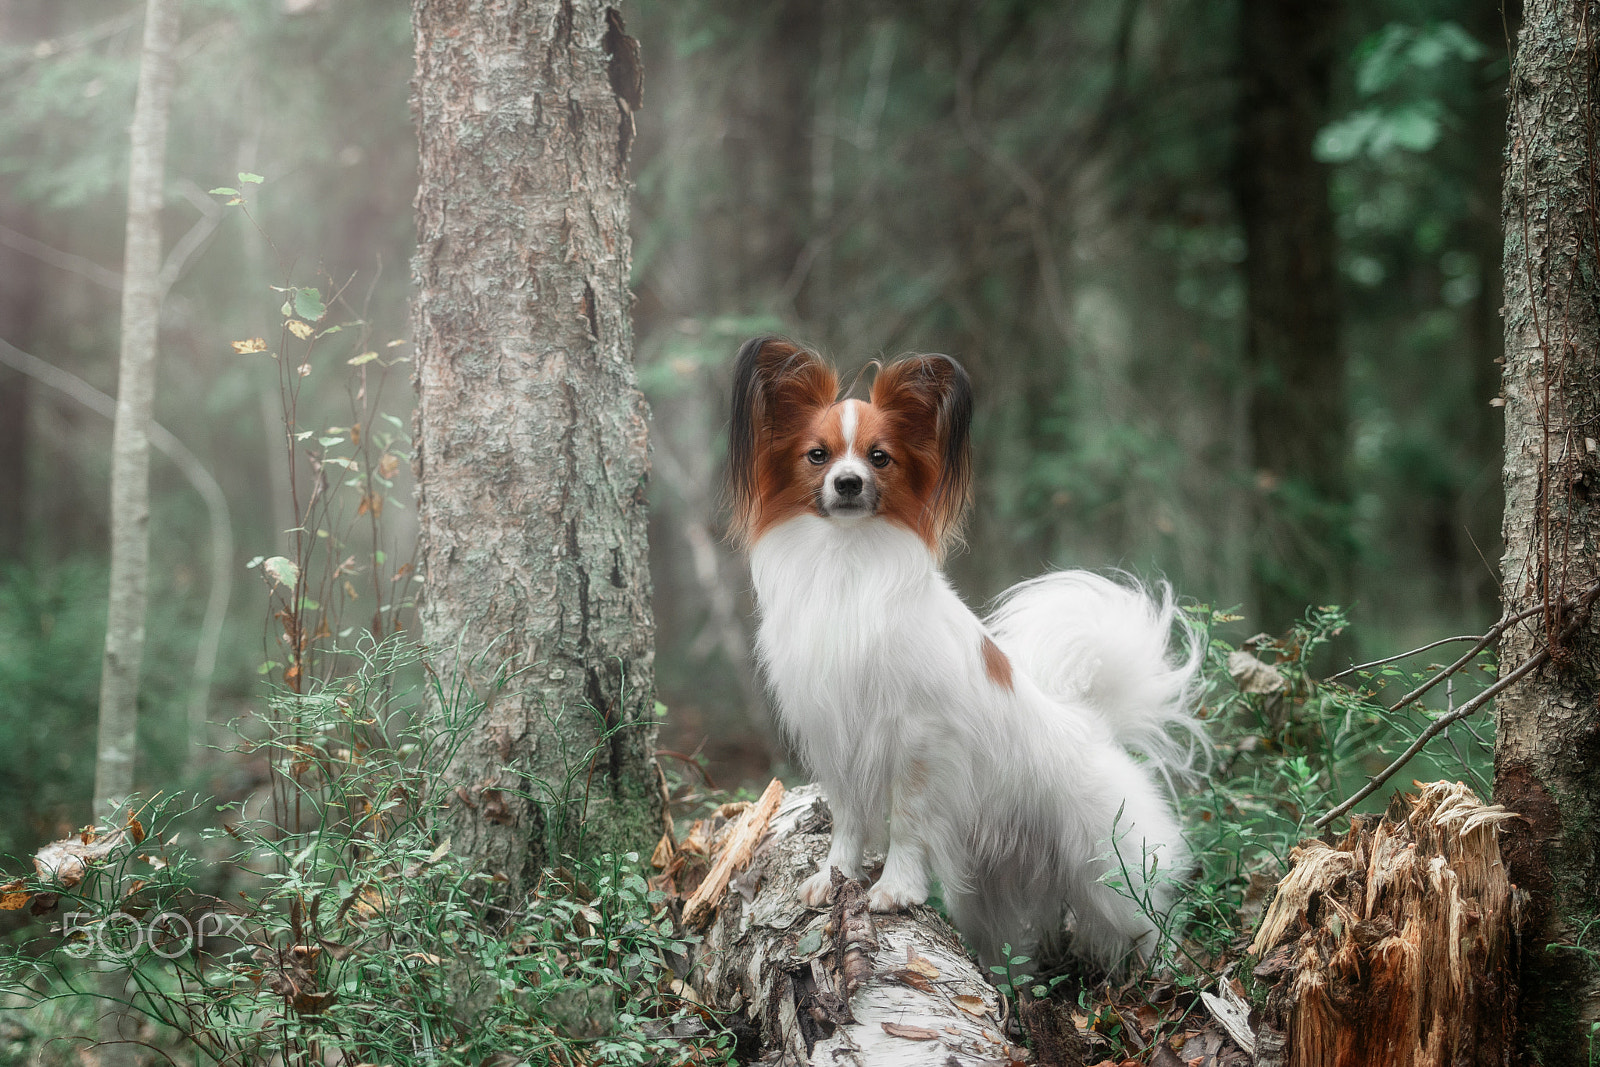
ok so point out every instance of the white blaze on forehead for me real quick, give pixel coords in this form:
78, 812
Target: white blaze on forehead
847, 424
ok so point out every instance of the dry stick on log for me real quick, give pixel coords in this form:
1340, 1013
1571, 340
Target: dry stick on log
741, 844
842, 986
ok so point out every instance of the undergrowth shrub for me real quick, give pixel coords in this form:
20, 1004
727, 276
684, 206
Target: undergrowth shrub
1289, 746
361, 937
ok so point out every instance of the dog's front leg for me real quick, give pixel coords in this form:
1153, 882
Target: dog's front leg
905, 869
844, 852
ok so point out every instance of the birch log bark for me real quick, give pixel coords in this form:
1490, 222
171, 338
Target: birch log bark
142, 290
531, 458
1547, 758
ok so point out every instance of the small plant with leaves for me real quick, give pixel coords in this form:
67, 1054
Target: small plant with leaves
364, 939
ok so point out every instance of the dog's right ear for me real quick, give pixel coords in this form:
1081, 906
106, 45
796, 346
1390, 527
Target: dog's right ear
777, 386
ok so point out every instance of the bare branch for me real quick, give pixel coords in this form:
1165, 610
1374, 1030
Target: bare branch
86, 268
163, 441
1524, 668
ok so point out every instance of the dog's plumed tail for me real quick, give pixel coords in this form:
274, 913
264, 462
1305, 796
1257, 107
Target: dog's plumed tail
1123, 652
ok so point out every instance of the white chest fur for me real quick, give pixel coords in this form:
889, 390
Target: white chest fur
856, 622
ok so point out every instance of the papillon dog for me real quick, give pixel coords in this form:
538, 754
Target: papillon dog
994, 754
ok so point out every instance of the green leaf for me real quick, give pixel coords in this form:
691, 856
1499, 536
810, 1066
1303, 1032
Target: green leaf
223, 190
281, 570
365, 357
308, 304
810, 943
253, 179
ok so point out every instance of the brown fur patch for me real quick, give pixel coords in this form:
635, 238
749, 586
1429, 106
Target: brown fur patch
920, 412
995, 663
783, 401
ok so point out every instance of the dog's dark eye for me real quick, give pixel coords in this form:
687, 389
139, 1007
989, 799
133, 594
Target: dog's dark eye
879, 457
818, 456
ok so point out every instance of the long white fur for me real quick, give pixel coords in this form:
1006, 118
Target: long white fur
1011, 797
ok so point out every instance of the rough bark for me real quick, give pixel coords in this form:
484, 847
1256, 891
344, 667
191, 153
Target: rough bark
1397, 946
841, 986
531, 432
1547, 765
1294, 364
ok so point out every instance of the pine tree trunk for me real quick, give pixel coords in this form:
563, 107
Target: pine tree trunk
1295, 366
1547, 763
531, 431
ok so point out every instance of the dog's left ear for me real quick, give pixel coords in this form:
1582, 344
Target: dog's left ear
777, 384
932, 394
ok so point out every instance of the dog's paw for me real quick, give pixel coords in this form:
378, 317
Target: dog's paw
817, 891
887, 897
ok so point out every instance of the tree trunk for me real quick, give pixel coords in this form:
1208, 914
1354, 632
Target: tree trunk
1546, 764
130, 442
1293, 361
531, 432
142, 289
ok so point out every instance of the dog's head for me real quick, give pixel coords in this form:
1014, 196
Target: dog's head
901, 456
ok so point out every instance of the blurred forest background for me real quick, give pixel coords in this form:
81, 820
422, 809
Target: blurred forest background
1088, 204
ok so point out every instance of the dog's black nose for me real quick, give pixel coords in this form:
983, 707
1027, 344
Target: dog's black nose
847, 485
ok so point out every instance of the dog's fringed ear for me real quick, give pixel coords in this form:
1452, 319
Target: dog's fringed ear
934, 395
776, 383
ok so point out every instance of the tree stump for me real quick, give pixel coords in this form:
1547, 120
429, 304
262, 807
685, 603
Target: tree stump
841, 985
1398, 946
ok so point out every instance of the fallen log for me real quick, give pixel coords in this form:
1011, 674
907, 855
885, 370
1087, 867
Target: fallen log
1396, 946
840, 986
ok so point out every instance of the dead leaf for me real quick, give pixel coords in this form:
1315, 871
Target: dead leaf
300, 329
13, 897
254, 344
911, 978
911, 1033
972, 1005
921, 964
388, 465
65, 862
1253, 675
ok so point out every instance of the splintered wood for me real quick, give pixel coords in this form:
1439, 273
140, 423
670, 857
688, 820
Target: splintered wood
1397, 946
735, 855
841, 986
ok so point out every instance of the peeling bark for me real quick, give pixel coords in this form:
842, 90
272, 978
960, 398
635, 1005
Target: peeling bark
531, 431
1547, 752
843, 985
1397, 946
